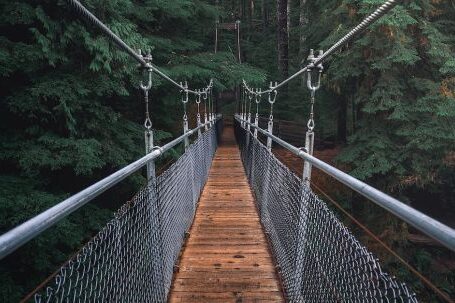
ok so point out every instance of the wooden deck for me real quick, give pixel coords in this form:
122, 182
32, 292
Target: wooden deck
226, 258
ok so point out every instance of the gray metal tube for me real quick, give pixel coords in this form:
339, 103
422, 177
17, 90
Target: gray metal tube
429, 226
28, 230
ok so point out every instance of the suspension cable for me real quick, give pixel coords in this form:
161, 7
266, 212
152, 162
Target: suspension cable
271, 99
257, 99
250, 97
313, 87
205, 97
84, 12
146, 88
367, 22
425, 280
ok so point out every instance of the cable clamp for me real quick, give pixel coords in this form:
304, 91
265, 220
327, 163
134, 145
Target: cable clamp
158, 148
184, 92
303, 150
148, 60
311, 66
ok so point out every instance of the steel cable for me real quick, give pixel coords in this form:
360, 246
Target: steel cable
367, 22
84, 12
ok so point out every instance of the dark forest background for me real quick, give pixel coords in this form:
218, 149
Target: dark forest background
71, 112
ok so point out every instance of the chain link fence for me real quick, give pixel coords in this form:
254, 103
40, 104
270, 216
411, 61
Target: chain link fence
319, 260
132, 258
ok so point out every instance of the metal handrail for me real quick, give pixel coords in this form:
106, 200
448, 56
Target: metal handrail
429, 226
18, 236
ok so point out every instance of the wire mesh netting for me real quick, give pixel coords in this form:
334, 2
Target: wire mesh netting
318, 257
132, 258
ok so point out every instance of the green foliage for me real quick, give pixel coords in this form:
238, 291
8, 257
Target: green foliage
22, 198
404, 125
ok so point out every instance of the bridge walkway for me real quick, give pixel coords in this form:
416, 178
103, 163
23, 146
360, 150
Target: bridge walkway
226, 257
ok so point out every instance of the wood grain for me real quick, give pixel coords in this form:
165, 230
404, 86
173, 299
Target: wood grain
226, 257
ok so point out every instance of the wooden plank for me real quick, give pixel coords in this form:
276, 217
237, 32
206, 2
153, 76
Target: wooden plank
226, 257
236, 296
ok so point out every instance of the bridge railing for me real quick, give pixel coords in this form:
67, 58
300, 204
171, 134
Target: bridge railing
134, 255
319, 259
429, 226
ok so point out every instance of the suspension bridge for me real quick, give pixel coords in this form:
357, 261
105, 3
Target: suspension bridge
227, 222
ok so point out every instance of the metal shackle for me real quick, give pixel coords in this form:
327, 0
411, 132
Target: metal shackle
148, 58
272, 99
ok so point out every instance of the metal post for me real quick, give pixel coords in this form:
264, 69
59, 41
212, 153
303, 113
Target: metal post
248, 126
246, 96
157, 269
198, 117
309, 145
185, 130
270, 130
185, 99
152, 197
209, 97
205, 112
302, 226
242, 105
256, 122
148, 135
272, 99
309, 138
265, 195
256, 118
212, 113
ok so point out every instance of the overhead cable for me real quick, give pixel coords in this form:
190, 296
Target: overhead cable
367, 22
84, 12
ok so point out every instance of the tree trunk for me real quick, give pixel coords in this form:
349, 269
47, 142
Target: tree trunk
342, 131
264, 14
288, 14
282, 37
251, 12
303, 22
243, 9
